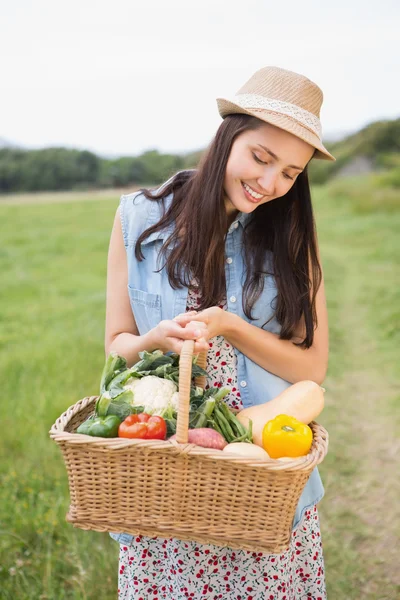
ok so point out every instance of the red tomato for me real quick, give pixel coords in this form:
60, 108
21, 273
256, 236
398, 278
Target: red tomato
143, 426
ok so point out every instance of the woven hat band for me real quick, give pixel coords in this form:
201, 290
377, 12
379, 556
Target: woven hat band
255, 101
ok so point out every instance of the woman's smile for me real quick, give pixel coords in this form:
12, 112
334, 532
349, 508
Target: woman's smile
251, 194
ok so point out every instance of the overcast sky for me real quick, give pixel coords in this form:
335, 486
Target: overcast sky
124, 76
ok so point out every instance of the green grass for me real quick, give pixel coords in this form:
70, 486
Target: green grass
53, 266
360, 519
52, 310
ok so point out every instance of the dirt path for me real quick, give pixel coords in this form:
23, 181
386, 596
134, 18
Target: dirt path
366, 490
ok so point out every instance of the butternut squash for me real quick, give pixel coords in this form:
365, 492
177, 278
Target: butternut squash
303, 400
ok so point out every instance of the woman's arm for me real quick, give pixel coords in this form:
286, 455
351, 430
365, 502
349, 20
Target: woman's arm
282, 357
121, 333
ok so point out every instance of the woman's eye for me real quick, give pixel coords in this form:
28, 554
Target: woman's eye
258, 159
286, 176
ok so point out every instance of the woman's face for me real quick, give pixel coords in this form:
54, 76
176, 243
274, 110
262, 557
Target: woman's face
261, 167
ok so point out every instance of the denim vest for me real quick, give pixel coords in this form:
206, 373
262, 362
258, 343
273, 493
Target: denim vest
153, 299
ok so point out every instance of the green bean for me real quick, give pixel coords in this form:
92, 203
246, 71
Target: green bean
224, 424
242, 438
222, 392
214, 425
250, 430
237, 428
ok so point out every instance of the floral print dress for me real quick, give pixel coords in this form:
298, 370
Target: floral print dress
171, 569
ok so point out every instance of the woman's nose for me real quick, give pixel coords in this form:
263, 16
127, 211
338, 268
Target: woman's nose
267, 182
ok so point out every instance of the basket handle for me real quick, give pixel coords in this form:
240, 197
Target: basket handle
185, 378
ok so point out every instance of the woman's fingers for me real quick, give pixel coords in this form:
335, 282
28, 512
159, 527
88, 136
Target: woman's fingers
201, 345
195, 325
192, 331
200, 329
175, 345
186, 317
172, 334
175, 330
185, 314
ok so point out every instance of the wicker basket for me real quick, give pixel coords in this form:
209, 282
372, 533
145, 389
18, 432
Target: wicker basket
175, 489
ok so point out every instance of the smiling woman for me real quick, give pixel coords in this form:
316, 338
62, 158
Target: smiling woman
240, 274
261, 174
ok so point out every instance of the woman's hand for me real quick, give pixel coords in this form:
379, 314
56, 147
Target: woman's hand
214, 318
169, 336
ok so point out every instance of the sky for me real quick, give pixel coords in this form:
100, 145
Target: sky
122, 77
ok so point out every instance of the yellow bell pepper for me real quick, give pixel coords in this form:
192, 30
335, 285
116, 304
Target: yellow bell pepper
286, 436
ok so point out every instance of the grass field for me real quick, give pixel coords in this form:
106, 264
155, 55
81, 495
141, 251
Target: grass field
52, 307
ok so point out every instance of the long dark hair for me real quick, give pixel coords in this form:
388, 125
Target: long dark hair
284, 226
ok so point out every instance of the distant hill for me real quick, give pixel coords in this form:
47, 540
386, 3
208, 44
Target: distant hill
375, 148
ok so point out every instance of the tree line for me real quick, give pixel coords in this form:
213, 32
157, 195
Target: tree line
55, 169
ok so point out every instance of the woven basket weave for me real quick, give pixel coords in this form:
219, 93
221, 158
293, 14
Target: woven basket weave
175, 489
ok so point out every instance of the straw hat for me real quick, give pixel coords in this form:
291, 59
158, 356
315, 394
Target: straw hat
284, 99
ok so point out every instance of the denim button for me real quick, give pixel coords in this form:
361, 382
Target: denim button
229, 261
232, 299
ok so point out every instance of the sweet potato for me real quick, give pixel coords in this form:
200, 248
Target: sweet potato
206, 437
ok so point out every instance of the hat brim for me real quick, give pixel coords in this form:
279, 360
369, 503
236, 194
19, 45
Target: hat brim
227, 107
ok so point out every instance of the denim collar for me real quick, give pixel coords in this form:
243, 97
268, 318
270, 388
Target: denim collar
242, 218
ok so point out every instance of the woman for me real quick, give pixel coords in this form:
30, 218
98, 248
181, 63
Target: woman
227, 255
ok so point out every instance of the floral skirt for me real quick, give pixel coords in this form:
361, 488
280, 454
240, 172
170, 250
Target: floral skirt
170, 569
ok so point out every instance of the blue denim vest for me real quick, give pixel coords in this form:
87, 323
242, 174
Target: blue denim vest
153, 299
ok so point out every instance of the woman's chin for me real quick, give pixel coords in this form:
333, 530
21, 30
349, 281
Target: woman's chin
244, 206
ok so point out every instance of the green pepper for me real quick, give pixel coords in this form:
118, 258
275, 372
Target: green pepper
106, 427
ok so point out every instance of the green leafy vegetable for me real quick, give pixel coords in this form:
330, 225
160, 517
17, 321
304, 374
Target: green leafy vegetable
114, 365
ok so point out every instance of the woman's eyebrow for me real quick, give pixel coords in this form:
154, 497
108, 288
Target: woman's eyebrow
276, 158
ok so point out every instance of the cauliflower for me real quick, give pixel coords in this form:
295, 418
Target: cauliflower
158, 396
